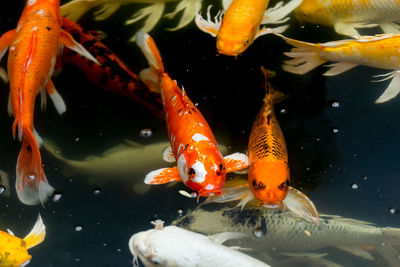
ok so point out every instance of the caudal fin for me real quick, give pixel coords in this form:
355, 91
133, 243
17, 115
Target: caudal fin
36, 235
31, 185
304, 56
150, 76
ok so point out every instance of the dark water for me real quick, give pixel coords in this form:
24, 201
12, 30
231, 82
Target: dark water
344, 158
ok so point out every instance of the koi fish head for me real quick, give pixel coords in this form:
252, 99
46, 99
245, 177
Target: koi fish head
13, 251
269, 181
312, 11
232, 41
202, 172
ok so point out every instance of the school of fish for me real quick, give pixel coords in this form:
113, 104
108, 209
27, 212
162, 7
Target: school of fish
274, 218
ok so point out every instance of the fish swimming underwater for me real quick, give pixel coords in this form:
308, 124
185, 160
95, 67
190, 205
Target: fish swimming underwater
346, 16
75, 9
241, 21
14, 250
283, 233
269, 173
200, 165
33, 48
112, 75
379, 51
173, 246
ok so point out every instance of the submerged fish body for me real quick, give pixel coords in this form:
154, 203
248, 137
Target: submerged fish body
172, 246
345, 16
277, 231
14, 250
379, 51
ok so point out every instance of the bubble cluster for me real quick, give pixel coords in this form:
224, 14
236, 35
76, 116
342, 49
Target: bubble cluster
146, 132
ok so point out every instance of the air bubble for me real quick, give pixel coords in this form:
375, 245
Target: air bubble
78, 228
257, 233
364, 178
392, 210
335, 130
335, 104
57, 197
283, 111
180, 212
146, 132
354, 186
2, 189
31, 176
97, 191
77, 139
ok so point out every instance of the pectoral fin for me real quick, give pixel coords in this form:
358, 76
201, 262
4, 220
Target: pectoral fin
239, 192
392, 90
301, 205
36, 235
207, 25
67, 40
5, 41
168, 155
236, 162
163, 176
58, 102
338, 68
357, 251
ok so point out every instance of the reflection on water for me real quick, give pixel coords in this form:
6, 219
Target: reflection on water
89, 224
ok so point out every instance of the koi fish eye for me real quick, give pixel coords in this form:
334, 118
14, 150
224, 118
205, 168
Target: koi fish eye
221, 168
284, 186
192, 172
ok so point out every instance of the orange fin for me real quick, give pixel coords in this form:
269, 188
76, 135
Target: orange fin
67, 40
56, 98
36, 235
163, 176
236, 162
5, 41
168, 154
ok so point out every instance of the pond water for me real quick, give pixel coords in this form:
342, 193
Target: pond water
343, 148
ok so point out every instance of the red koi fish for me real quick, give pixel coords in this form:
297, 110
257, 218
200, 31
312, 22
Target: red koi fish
112, 75
33, 48
200, 165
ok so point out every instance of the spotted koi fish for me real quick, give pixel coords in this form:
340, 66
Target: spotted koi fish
200, 165
33, 48
348, 15
379, 51
112, 74
240, 25
269, 173
14, 250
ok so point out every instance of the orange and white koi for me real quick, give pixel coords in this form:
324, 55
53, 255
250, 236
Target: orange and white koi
347, 15
379, 51
269, 173
14, 250
240, 24
33, 48
200, 164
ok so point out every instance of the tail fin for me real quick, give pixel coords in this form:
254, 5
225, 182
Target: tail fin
151, 76
32, 186
390, 248
36, 235
272, 96
305, 56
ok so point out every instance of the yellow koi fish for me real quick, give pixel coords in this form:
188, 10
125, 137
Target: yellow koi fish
241, 21
347, 15
14, 250
379, 51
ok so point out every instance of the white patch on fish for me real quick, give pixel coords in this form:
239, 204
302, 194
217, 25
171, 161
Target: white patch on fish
199, 137
200, 171
182, 168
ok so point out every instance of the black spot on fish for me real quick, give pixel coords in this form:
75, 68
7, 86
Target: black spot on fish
29, 148
284, 186
268, 119
263, 226
48, 28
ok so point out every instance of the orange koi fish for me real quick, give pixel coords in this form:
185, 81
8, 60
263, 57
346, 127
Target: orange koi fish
200, 165
269, 173
33, 48
241, 22
14, 250
379, 51
112, 75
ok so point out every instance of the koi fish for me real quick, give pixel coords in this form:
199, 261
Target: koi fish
282, 234
34, 45
269, 173
75, 9
168, 246
14, 250
345, 16
200, 164
241, 22
112, 75
379, 51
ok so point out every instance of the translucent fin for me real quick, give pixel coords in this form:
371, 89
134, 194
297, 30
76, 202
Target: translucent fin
301, 205
240, 192
389, 27
208, 25
349, 29
4, 75
236, 162
106, 10
225, 236
305, 56
163, 176
389, 248
392, 90
67, 40
38, 139
75, 9
357, 251
9, 106
150, 51
338, 68
36, 235
189, 7
265, 31
153, 14
278, 13
168, 155
226, 4
58, 102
